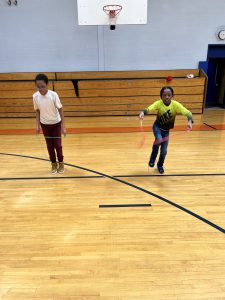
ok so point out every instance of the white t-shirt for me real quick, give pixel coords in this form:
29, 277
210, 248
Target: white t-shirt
48, 106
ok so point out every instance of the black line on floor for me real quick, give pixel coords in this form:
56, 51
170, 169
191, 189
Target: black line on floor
169, 175
131, 185
123, 205
48, 178
116, 176
210, 126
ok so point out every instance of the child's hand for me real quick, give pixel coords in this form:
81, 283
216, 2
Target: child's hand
141, 115
190, 125
38, 130
64, 130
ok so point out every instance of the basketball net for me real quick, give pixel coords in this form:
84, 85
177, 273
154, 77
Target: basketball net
112, 11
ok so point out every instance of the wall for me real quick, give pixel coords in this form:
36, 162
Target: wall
43, 35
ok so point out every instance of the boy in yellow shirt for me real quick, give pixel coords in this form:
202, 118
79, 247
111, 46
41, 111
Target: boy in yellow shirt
167, 109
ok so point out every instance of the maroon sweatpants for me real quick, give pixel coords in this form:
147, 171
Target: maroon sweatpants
53, 139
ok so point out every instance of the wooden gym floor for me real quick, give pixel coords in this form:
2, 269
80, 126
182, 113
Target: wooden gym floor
57, 244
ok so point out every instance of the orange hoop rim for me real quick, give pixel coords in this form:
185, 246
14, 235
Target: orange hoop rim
112, 10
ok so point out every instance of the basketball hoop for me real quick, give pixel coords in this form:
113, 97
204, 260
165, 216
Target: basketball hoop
112, 11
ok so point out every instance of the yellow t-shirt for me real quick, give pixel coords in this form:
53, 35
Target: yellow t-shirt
166, 114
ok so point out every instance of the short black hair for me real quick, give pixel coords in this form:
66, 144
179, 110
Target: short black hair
166, 88
42, 77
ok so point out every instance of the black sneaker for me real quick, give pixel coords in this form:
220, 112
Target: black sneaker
151, 164
160, 169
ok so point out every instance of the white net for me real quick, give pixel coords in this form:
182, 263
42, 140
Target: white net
112, 11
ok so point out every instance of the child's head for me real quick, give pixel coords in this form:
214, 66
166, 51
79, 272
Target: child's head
41, 82
166, 94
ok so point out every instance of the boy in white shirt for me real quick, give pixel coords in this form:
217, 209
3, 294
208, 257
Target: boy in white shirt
50, 117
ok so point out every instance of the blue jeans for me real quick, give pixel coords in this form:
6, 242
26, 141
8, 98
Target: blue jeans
160, 136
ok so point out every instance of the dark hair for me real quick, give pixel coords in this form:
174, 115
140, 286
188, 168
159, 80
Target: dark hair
42, 77
166, 88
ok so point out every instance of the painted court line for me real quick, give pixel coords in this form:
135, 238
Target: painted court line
191, 213
210, 126
56, 177
201, 127
123, 205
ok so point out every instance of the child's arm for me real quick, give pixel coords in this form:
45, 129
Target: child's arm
185, 112
151, 107
190, 121
38, 124
63, 121
59, 106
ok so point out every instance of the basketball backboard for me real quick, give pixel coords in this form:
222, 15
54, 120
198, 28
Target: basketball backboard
90, 12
